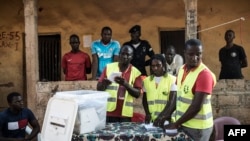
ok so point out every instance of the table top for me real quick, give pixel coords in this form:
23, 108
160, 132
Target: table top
130, 131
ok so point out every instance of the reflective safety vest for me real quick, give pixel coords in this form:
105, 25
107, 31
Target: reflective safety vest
204, 118
157, 98
127, 109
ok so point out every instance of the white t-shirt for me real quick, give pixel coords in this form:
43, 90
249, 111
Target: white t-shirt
157, 81
174, 67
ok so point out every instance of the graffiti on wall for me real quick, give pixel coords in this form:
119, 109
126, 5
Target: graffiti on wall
10, 39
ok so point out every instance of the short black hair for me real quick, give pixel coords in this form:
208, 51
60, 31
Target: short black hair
126, 46
170, 47
106, 28
229, 30
74, 35
192, 42
11, 95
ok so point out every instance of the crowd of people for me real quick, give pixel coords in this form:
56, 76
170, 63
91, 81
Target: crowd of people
174, 91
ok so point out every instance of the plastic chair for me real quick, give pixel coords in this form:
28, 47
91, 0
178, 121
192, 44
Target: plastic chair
219, 126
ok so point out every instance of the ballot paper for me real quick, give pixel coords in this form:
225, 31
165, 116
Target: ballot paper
89, 120
166, 122
113, 75
171, 131
150, 127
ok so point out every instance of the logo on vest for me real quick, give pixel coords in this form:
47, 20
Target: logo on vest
186, 89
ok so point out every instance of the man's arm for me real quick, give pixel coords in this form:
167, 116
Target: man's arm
116, 57
193, 109
150, 53
244, 63
170, 107
145, 107
166, 113
35, 130
102, 86
243, 57
135, 92
116, 52
103, 82
88, 65
94, 66
64, 64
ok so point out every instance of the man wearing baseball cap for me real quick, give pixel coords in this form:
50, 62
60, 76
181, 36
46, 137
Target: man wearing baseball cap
141, 48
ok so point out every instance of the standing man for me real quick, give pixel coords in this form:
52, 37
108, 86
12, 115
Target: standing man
124, 88
104, 51
195, 83
232, 58
13, 120
174, 61
76, 63
141, 48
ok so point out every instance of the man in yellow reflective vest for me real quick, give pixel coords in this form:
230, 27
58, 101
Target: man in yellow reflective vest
195, 83
159, 91
123, 87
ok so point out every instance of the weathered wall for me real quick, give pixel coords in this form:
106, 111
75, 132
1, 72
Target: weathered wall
11, 47
87, 17
229, 98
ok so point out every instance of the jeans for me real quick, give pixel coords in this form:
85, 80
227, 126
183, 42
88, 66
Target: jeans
198, 134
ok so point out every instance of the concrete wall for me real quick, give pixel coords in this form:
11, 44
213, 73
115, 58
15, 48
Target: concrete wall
229, 98
87, 17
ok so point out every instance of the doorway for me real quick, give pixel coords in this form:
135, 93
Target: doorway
49, 51
175, 38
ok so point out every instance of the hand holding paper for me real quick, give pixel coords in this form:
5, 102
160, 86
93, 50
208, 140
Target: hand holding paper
113, 75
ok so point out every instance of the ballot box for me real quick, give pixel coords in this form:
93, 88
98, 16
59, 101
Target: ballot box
79, 111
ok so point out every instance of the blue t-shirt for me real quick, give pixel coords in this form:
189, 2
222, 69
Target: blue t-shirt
13, 125
105, 53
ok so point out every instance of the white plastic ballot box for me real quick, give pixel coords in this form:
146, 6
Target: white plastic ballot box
59, 120
90, 112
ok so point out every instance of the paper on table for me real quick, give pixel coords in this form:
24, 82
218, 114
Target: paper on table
166, 122
150, 126
171, 131
113, 75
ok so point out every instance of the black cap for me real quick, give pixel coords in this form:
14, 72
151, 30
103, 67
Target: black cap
135, 28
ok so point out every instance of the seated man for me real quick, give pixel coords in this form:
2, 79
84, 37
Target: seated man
15, 119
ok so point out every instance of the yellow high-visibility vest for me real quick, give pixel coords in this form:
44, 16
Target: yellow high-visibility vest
127, 109
204, 118
157, 98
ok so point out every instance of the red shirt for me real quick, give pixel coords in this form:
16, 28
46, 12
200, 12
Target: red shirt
204, 77
121, 91
75, 65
